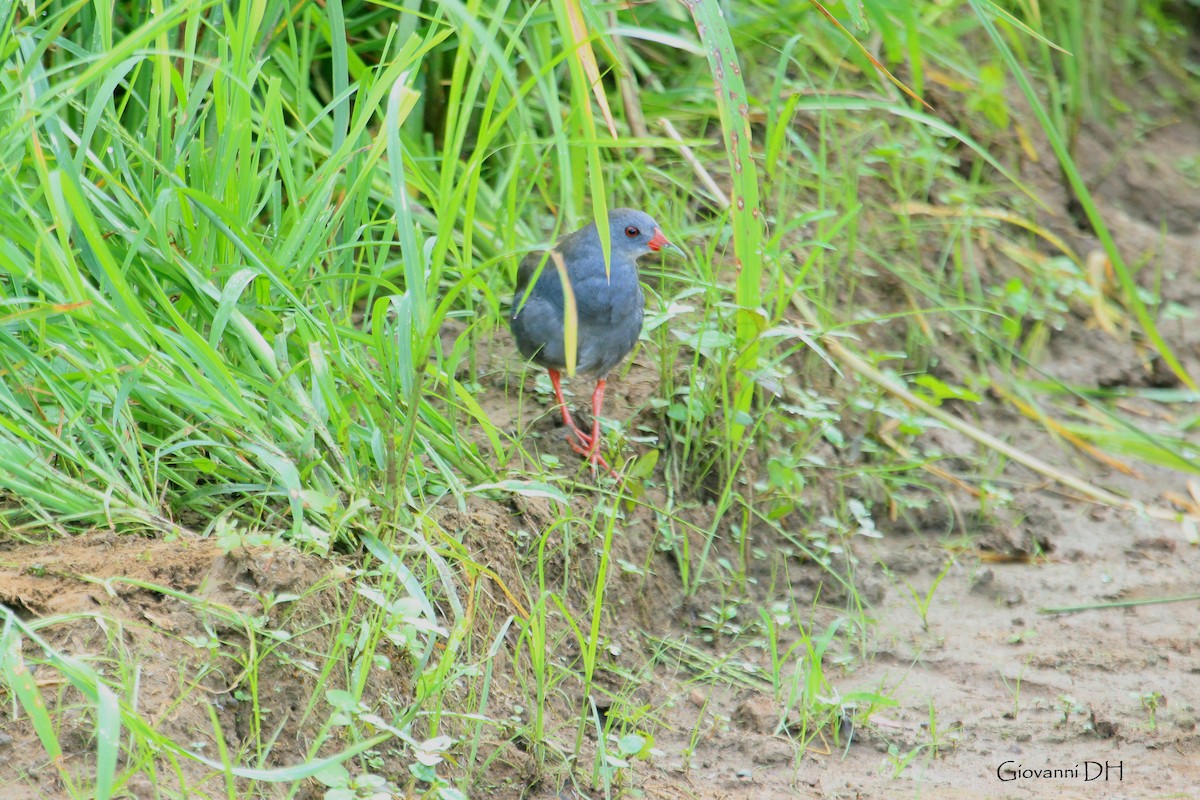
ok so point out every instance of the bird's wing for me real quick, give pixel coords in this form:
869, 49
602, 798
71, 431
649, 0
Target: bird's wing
528, 270
538, 288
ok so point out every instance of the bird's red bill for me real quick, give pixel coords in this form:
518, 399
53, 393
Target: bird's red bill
658, 242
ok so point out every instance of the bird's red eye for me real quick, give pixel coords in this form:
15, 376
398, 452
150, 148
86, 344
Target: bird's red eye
632, 232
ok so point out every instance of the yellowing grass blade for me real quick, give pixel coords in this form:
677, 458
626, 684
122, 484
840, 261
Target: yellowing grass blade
587, 59
1000, 214
570, 313
899, 84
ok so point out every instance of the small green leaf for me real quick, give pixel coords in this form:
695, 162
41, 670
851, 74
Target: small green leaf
333, 776
645, 464
341, 700
631, 744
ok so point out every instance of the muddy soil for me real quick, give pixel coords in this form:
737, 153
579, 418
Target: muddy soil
116, 601
992, 690
989, 688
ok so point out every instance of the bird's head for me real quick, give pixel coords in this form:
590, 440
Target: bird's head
634, 233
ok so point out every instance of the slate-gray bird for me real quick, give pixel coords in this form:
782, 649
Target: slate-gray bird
609, 309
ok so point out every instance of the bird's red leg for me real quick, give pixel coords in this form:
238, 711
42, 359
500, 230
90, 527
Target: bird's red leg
593, 451
597, 404
585, 441
587, 446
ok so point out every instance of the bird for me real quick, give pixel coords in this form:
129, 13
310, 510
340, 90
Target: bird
609, 310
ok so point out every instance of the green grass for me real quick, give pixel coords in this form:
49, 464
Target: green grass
233, 234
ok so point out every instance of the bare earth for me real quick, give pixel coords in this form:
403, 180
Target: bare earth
987, 683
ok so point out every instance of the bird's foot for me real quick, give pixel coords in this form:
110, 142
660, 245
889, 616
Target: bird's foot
588, 446
585, 444
580, 440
